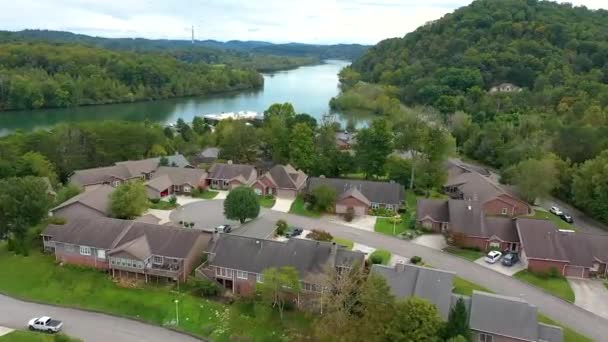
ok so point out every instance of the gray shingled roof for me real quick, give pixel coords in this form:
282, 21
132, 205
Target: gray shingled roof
230, 171
502, 315
137, 167
98, 199
414, 281
256, 255
550, 333
166, 176
100, 232
355, 193
437, 209
376, 192
287, 177
467, 217
99, 175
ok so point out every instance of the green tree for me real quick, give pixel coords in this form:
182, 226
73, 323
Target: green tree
129, 200
458, 322
276, 138
23, 204
589, 188
241, 204
535, 178
373, 146
35, 164
67, 192
302, 147
280, 285
414, 319
157, 151
283, 110
199, 126
398, 169
163, 161
324, 198
239, 143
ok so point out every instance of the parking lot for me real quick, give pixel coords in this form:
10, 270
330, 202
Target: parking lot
500, 268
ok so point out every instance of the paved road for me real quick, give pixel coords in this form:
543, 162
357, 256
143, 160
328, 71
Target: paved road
90, 327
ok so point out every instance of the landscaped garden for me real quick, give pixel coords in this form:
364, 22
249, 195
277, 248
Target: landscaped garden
299, 207
552, 283
267, 201
393, 225
38, 277
204, 194
380, 256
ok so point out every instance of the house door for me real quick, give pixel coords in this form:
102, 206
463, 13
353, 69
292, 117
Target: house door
513, 247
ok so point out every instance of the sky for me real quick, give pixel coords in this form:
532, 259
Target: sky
278, 21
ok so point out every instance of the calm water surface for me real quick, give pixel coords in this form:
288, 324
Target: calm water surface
308, 88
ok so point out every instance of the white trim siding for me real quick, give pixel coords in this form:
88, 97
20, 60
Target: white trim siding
84, 250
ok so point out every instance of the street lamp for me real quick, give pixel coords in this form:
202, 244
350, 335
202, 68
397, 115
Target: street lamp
176, 312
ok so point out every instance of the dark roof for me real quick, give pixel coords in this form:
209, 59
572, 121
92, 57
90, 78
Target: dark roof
287, 177
355, 193
467, 217
210, 152
100, 232
230, 171
165, 176
99, 175
137, 167
376, 192
437, 209
428, 283
256, 255
98, 199
502, 227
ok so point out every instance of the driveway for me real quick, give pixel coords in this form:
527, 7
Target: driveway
434, 241
500, 268
590, 295
90, 327
365, 222
283, 204
206, 214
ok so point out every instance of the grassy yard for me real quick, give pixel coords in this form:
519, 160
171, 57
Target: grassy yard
465, 287
207, 194
37, 277
267, 201
411, 200
28, 336
466, 253
163, 205
381, 254
557, 286
344, 242
385, 226
298, 207
544, 215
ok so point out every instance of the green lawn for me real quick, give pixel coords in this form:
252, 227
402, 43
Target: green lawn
207, 194
344, 242
385, 226
267, 201
557, 286
544, 215
28, 336
163, 205
465, 287
37, 277
466, 253
411, 200
298, 207
383, 254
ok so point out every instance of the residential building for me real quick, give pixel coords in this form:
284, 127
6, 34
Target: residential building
206, 156
505, 88
544, 248
492, 318
345, 140
127, 248
406, 280
283, 181
93, 203
167, 181
361, 196
229, 176
238, 262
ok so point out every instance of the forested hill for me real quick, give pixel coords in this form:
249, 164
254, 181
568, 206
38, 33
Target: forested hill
556, 126
38, 75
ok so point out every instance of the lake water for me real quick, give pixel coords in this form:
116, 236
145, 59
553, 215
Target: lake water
308, 88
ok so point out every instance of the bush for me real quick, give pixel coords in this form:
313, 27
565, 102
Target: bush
380, 256
281, 227
56, 220
415, 260
206, 288
383, 212
350, 214
319, 235
173, 199
155, 200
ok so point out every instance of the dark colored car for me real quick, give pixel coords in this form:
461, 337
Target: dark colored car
510, 259
293, 231
566, 217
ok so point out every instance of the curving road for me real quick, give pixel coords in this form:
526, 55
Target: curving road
88, 326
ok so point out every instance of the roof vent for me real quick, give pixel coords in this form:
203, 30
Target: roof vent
469, 207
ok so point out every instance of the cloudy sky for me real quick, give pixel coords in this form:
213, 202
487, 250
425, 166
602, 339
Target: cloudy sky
308, 21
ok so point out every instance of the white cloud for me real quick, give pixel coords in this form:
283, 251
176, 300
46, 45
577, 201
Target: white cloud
310, 21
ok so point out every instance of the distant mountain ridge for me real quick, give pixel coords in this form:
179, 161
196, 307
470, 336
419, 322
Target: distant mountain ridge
337, 51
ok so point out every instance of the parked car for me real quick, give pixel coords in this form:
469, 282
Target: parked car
493, 257
46, 324
566, 217
510, 259
225, 228
555, 210
293, 232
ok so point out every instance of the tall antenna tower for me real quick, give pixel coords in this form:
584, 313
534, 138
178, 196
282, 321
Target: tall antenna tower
192, 34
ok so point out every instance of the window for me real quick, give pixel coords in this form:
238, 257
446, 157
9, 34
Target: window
241, 275
116, 183
157, 260
486, 338
85, 250
186, 188
504, 211
259, 278
494, 244
311, 287
375, 205
389, 206
101, 254
223, 272
70, 248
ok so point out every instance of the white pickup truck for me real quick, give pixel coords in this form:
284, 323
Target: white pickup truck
46, 324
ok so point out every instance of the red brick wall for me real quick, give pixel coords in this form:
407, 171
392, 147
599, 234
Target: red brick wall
244, 287
434, 226
514, 207
472, 242
543, 266
83, 260
260, 186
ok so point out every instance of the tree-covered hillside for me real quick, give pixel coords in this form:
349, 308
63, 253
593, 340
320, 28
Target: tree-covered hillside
38, 75
556, 53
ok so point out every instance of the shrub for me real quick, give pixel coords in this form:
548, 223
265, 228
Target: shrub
206, 288
173, 199
380, 256
56, 220
415, 260
553, 273
375, 259
324, 198
155, 200
383, 212
350, 214
281, 227
320, 235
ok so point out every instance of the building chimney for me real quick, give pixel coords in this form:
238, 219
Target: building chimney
333, 253
400, 266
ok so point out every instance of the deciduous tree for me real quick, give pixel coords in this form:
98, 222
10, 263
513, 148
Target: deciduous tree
302, 147
241, 204
129, 200
373, 146
279, 286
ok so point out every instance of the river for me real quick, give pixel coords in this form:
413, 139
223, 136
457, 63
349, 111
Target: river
308, 88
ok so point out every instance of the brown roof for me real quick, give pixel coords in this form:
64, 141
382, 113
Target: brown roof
181, 176
286, 177
100, 232
467, 217
230, 171
355, 193
97, 199
436, 209
376, 192
99, 175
